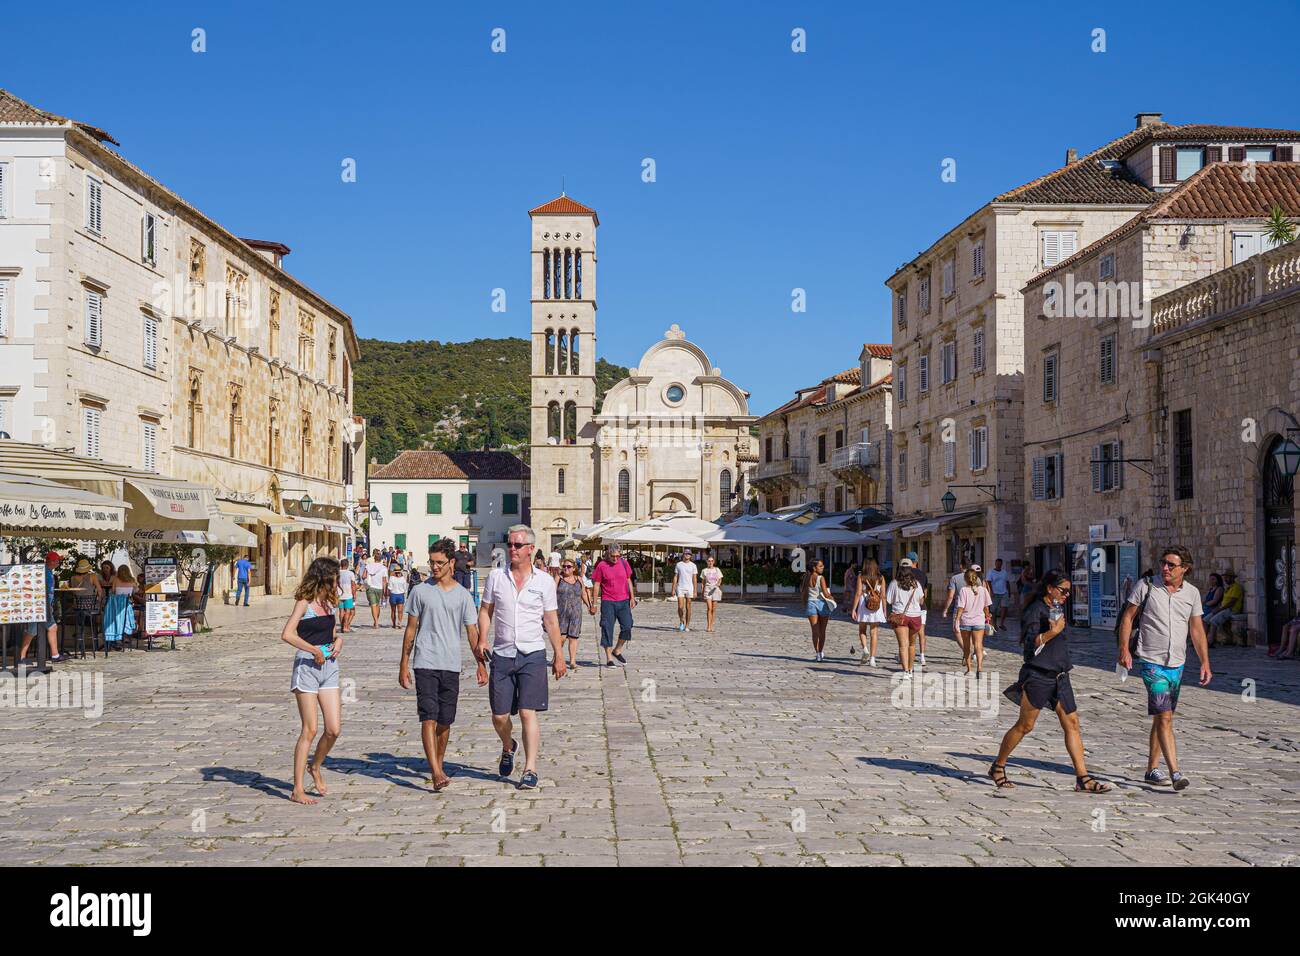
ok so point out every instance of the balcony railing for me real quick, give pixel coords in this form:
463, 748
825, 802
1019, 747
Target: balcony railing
780, 468
863, 454
1247, 283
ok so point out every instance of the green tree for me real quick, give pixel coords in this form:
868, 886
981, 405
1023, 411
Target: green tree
1279, 228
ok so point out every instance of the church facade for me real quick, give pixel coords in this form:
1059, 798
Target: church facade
672, 436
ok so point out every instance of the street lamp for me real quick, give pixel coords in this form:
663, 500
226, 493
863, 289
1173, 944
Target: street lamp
1287, 456
375, 516
949, 501
306, 503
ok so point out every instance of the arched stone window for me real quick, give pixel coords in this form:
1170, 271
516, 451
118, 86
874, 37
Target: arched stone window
562, 352
575, 357
570, 422
559, 482
568, 273
724, 489
577, 274
549, 365
305, 441
553, 420
236, 420
555, 273
624, 491
546, 273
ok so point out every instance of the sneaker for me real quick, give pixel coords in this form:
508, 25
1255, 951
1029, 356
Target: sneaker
1180, 782
621, 659
610, 664
528, 781
907, 675
680, 626
1156, 777
508, 759
921, 661
873, 662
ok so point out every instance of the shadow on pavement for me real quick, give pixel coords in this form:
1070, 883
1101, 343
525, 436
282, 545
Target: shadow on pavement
247, 778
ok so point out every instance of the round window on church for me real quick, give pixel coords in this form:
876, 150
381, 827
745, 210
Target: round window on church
675, 394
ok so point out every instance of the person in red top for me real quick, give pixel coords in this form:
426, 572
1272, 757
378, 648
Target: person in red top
612, 582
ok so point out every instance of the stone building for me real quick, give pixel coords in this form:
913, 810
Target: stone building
1092, 414
673, 435
959, 329
138, 331
830, 444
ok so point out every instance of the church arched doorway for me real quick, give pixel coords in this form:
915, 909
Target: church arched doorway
1277, 512
673, 501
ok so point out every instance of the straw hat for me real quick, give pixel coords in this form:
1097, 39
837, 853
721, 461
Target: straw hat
83, 567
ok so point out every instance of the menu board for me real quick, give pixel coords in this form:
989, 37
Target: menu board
161, 617
22, 593
160, 576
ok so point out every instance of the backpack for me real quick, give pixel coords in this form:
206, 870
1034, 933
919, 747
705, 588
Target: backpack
873, 598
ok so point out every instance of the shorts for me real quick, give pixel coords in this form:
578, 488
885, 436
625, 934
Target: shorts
972, 630
375, 596
1163, 684
610, 612
347, 604
1044, 689
518, 683
914, 623
817, 607
436, 694
1219, 618
1000, 602
712, 593
310, 677
684, 593
396, 599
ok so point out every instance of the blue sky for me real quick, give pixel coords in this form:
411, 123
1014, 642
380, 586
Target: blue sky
775, 170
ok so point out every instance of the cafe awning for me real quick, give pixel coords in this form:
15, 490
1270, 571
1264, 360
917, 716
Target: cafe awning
886, 531
31, 505
241, 513
931, 525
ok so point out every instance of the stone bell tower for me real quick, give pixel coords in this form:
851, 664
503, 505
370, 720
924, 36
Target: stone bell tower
563, 465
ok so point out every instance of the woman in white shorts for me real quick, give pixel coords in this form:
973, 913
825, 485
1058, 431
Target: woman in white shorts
711, 583
871, 588
310, 631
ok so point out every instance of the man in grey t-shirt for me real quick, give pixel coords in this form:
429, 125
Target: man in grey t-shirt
440, 614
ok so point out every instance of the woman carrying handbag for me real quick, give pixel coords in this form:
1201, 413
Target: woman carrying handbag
904, 601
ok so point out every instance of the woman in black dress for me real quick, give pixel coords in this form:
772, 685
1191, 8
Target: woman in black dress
1045, 682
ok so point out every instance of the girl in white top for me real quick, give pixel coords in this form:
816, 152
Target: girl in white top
711, 584
397, 584
904, 598
818, 605
870, 586
972, 618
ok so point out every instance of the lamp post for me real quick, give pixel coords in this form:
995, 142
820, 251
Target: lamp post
1287, 455
949, 501
375, 517
306, 503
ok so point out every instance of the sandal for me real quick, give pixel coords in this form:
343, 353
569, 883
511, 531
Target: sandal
1089, 784
999, 774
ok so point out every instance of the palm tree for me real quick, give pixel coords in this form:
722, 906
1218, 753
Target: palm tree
1279, 228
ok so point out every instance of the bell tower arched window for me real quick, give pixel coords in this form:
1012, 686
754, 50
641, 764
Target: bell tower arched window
546, 273
553, 421
559, 482
555, 273
549, 365
562, 352
570, 422
577, 274
568, 273
575, 357
624, 491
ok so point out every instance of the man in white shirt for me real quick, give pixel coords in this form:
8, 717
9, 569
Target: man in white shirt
685, 580
518, 615
376, 584
999, 583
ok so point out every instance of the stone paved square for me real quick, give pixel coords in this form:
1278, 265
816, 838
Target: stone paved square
725, 749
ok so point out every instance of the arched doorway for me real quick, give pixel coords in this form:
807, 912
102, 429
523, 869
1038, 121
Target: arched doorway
1281, 592
673, 501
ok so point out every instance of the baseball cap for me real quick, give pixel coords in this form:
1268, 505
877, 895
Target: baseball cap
906, 563
913, 557
53, 556
976, 567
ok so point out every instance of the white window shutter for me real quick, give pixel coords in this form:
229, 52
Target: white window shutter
94, 319
978, 363
1067, 244
150, 343
924, 372
94, 206
149, 440
1051, 248
1096, 467
973, 448
1037, 480
1119, 464
1049, 378
90, 426
4, 307
984, 447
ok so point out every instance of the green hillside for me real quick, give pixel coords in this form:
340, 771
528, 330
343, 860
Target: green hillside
452, 396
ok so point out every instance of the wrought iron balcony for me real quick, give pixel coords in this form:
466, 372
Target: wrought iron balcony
860, 458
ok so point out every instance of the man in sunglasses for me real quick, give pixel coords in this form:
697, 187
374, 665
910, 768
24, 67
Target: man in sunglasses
519, 612
1171, 611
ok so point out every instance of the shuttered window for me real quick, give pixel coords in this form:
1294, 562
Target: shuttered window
925, 461
150, 343
398, 503
1284, 154
4, 190
1237, 154
902, 383
149, 445
949, 355
900, 307
923, 295
433, 504
1049, 378
949, 277
1106, 266
4, 307
1213, 154
1106, 360
923, 374
1183, 483
977, 360
979, 448
1168, 165
1047, 478
949, 458
902, 468
1107, 466
510, 504
149, 239
94, 318
91, 419
977, 259
469, 503
1058, 244
94, 205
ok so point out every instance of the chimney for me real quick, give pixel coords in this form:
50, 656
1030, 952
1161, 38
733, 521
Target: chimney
1149, 119
273, 252
1071, 156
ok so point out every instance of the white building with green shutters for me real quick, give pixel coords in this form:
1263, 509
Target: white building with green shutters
471, 497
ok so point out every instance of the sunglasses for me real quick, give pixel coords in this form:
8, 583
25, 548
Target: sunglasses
1169, 564
517, 545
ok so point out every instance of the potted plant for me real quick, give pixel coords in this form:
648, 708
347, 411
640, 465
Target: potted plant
785, 581
731, 580
757, 580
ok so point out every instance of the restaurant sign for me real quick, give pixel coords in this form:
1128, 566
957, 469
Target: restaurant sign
15, 513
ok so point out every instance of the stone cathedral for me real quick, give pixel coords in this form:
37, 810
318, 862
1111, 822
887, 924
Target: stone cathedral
672, 436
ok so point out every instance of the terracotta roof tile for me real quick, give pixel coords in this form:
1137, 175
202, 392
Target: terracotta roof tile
1216, 191
482, 465
20, 112
849, 376
564, 206
879, 351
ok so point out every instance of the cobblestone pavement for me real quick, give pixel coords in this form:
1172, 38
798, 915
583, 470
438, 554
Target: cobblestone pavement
732, 748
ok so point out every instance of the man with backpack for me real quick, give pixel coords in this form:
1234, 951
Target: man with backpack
613, 585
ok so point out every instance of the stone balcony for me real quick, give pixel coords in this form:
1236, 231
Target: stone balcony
773, 475
859, 460
1253, 282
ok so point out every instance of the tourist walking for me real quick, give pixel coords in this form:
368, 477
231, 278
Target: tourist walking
922, 579
903, 598
376, 585
243, 568
464, 561
440, 618
397, 588
711, 589
868, 608
1025, 586
955, 583
685, 587
119, 609
315, 682
571, 596
612, 585
1170, 612
973, 618
999, 582
347, 597
1045, 682
519, 613
818, 605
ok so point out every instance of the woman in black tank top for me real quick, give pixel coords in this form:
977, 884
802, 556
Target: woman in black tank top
310, 630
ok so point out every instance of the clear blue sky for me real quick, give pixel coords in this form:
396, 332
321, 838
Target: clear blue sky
775, 170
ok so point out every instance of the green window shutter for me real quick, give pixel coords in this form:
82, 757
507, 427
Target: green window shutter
464, 539
433, 538
399, 503
433, 504
510, 504
469, 504
399, 540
